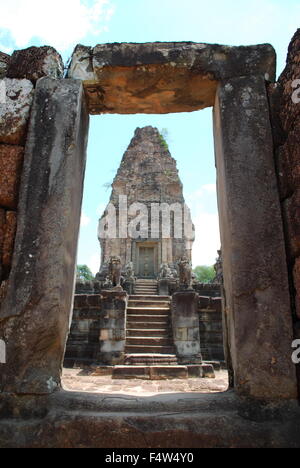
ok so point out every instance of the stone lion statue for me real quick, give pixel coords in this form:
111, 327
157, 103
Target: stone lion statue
185, 273
165, 271
115, 269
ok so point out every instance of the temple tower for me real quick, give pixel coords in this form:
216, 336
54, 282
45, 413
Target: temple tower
146, 221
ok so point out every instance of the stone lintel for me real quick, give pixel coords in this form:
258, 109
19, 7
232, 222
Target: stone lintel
159, 77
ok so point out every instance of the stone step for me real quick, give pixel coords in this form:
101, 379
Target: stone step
163, 319
165, 325
146, 281
149, 303
149, 292
152, 332
148, 341
150, 359
136, 349
137, 297
150, 372
147, 311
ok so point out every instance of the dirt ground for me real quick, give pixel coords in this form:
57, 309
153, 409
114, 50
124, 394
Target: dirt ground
81, 380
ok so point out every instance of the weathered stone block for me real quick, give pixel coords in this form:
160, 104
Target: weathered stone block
185, 324
11, 163
208, 371
195, 371
162, 77
258, 315
42, 282
4, 63
131, 372
14, 113
81, 67
187, 349
168, 372
9, 238
36, 62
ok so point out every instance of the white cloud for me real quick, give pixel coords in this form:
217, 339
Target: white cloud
85, 220
59, 23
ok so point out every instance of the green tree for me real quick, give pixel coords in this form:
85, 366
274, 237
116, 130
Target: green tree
204, 274
84, 273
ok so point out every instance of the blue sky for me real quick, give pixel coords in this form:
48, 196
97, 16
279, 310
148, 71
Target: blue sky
64, 23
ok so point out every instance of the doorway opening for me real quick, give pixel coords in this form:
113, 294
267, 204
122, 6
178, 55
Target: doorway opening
189, 140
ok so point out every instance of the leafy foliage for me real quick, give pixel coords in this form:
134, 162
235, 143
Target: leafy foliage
204, 274
164, 134
84, 273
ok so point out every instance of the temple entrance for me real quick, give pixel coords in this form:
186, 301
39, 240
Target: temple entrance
146, 259
146, 262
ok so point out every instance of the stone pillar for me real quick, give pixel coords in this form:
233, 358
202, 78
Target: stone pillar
113, 327
163, 287
35, 315
257, 304
185, 324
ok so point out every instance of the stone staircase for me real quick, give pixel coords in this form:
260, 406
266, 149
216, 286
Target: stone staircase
149, 338
146, 287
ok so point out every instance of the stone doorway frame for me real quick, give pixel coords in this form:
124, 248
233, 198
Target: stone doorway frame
136, 245
257, 315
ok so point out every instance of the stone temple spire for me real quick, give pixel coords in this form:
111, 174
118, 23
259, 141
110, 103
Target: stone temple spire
147, 176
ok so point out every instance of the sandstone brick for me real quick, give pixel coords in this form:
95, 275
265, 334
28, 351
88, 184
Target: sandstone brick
14, 113
35, 62
9, 238
11, 162
4, 63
